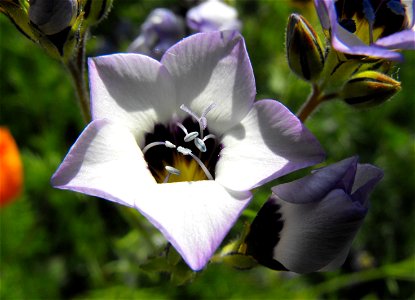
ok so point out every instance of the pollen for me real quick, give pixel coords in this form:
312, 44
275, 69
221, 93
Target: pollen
189, 171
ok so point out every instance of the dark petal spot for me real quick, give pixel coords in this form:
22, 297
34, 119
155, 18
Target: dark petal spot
264, 235
349, 25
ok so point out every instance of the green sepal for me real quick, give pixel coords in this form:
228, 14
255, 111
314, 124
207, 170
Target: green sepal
304, 49
369, 88
95, 11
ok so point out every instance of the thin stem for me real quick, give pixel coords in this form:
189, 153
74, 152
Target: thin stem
76, 67
314, 100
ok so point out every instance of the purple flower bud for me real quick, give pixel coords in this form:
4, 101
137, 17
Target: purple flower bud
309, 224
160, 31
52, 17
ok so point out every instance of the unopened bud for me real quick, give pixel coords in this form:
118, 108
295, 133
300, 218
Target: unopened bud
369, 88
52, 17
304, 49
95, 11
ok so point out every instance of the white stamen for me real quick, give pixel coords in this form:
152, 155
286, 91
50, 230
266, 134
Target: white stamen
202, 165
209, 136
153, 144
203, 120
172, 170
200, 144
183, 150
188, 110
186, 151
169, 144
182, 127
191, 136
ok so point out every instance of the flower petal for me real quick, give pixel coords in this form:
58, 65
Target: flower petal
132, 90
367, 176
270, 142
346, 42
193, 216
317, 185
213, 67
105, 162
322, 11
401, 40
312, 235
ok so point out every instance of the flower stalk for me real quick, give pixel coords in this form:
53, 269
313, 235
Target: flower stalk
315, 98
76, 67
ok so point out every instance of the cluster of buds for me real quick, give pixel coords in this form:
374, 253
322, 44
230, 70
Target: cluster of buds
58, 26
346, 67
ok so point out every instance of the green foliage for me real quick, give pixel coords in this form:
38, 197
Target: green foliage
57, 244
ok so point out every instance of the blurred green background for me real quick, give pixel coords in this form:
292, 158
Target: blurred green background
60, 245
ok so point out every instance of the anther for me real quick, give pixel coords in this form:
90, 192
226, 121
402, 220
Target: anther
189, 136
151, 145
169, 144
183, 150
171, 170
200, 144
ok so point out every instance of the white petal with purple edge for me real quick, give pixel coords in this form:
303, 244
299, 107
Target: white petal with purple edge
132, 90
213, 67
270, 142
105, 162
193, 216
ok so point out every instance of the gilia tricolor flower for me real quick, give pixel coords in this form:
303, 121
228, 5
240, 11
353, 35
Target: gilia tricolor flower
309, 224
369, 27
182, 141
213, 15
11, 169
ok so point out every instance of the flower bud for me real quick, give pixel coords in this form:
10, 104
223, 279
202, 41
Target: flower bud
52, 17
95, 11
369, 88
304, 49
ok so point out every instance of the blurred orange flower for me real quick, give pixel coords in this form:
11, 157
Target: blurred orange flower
11, 170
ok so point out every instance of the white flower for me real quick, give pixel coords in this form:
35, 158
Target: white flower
142, 148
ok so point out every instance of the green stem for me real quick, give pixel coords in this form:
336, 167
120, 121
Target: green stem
314, 100
76, 67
